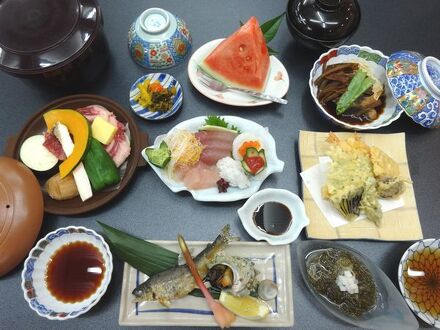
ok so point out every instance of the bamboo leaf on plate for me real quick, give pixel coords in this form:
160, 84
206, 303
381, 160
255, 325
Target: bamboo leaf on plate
147, 257
271, 51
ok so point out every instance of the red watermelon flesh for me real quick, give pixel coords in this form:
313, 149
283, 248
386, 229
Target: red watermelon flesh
242, 59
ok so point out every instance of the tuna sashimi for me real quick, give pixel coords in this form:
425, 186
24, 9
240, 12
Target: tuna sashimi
221, 136
217, 145
210, 156
54, 146
119, 148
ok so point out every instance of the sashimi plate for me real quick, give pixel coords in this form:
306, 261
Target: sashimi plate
277, 83
273, 262
274, 165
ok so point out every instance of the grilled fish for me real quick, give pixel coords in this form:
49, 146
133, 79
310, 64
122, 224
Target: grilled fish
177, 282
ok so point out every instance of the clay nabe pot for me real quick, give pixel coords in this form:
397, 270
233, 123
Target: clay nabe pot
21, 212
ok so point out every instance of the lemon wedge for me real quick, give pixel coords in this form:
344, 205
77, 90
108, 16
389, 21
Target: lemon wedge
246, 307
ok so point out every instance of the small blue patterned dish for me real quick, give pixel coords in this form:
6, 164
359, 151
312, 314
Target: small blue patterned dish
415, 83
376, 62
34, 282
166, 81
158, 39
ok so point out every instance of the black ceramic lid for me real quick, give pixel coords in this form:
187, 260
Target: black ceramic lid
37, 36
325, 20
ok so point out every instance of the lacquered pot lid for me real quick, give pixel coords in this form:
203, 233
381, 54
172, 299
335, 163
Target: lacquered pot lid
40, 35
415, 83
21, 212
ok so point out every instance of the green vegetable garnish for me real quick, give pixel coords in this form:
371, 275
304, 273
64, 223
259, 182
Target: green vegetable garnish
220, 122
358, 85
159, 157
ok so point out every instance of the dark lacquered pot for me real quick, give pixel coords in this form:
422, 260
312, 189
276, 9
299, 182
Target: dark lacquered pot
59, 41
321, 24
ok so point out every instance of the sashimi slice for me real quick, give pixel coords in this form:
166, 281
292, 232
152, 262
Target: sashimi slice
201, 176
220, 136
217, 145
210, 156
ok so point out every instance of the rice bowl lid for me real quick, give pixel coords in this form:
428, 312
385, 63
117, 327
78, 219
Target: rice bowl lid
39, 36
414, 81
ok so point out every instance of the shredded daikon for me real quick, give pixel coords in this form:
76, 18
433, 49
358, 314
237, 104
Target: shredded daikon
185, 148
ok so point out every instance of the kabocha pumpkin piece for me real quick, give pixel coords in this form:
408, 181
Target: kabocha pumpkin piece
78, 126
100, 168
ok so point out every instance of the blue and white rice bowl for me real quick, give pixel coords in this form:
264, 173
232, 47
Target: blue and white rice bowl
376, 61
33, 276
166, 81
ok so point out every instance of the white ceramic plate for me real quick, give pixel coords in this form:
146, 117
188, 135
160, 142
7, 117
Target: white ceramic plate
273, 262
274, 165
277, 83
289, 199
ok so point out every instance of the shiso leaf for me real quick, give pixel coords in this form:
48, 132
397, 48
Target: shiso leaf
216, 121
270, 28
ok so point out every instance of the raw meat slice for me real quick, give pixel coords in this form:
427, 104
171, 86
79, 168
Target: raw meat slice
220, 136
52, 144
210, 156
119, 148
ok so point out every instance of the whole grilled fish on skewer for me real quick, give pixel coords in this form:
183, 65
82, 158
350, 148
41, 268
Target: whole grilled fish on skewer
178, 282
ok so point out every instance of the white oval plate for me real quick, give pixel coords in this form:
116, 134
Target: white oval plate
291, 200
274, 165
277, 83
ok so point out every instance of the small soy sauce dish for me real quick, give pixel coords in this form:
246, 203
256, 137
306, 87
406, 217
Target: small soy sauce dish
274, 215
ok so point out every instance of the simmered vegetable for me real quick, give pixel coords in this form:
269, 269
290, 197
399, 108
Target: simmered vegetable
358, 85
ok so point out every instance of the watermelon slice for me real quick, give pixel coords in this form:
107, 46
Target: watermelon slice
242, 59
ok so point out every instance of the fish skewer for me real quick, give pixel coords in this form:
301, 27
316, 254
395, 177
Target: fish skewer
178, 282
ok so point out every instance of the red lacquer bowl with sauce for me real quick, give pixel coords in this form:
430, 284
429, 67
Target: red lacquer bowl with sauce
67, 273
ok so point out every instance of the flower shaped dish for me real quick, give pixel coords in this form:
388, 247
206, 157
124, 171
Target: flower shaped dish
33, 276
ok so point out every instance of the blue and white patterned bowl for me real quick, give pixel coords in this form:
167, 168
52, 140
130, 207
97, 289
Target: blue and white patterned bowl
33, 276
377, 62
432, 247
158, 39
415, 83
166, 81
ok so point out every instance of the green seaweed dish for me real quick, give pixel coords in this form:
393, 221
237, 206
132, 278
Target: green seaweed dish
323, 269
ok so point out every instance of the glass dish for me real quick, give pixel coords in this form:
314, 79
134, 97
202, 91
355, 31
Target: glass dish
391, 310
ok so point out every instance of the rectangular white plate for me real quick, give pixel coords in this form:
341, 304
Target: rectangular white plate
273, 262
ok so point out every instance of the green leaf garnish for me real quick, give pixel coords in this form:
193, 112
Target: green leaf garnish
216, 121
271, 51
145, 256
359, 84
270, 28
